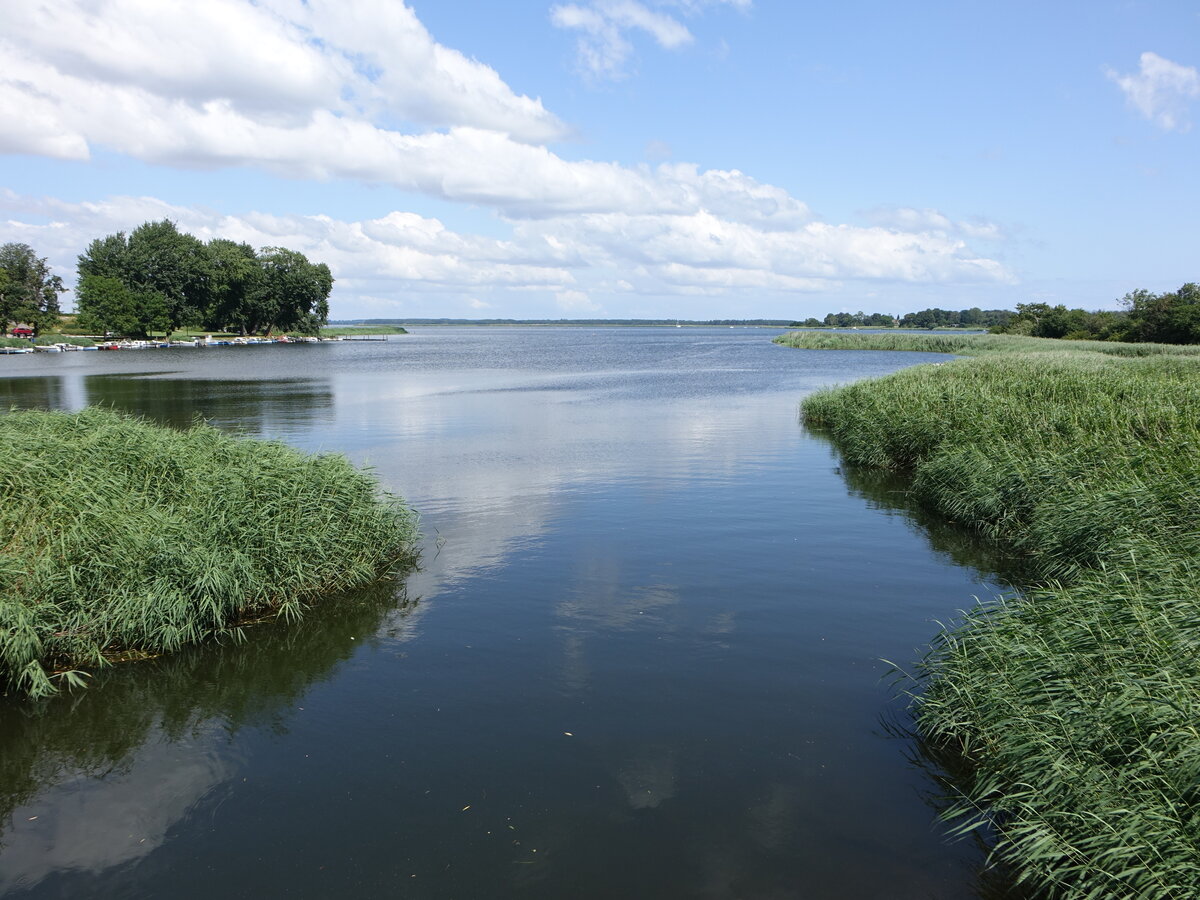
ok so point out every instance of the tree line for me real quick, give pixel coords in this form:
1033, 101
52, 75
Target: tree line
1172, 317
926, 318
159, 279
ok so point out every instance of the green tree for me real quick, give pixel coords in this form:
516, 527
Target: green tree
1169, 318
105, 304
293, 294
234, 279
28, 290
163, 260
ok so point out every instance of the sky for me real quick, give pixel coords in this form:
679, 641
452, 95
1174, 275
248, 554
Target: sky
623, 158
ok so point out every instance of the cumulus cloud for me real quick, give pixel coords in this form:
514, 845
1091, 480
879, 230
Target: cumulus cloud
575, 260
1161, 90
604, 26
903, 218
312, 118
396, 253
234, 62
575, 301
304, 89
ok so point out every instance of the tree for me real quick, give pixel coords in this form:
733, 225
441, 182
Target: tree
293, 294
160, 279
234, 278
1170, 318
105, 304
28, 290
164, 261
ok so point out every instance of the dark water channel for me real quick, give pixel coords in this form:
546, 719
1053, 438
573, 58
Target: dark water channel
641, 658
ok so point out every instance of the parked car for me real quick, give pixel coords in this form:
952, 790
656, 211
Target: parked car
22, 331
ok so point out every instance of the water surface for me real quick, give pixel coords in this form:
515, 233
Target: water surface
641, 658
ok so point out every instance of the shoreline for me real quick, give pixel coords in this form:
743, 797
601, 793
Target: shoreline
132, 548
1072, 703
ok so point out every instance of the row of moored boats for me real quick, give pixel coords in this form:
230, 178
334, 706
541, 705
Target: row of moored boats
166, 345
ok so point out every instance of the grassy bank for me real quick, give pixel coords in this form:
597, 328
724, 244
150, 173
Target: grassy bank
971, 344
349, 330
117, 535
1077, 704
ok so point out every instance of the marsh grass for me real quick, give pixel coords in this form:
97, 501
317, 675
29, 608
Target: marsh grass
971, 344
44, 340
349, 330
119, 535
1076, 703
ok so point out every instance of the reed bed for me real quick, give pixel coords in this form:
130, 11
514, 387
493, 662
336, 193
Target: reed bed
120, 535
74, 340
1077, 702
971, 344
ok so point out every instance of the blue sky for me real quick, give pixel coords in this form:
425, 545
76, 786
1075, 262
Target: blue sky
624, 158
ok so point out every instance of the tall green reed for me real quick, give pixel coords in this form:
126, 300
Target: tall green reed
1077, 702
117, 534
970, 344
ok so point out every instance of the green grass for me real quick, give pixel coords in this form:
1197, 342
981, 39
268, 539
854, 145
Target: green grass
43, 340
1077, 702
971, 344
55, 338
119, 535
348, 330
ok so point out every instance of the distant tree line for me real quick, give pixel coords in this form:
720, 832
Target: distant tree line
777, 323
1168, 318
926, 318
159, 279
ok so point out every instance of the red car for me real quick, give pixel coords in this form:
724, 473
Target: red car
22, 331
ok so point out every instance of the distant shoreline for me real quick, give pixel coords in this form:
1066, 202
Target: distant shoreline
634, 323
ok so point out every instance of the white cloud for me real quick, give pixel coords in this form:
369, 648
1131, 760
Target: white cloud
1161, 90
241, 62
903, 218
573, 258
575, 301
240, 83
603, 45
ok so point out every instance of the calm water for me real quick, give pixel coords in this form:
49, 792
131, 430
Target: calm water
641, 658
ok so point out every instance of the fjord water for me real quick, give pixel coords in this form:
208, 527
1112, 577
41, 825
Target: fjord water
641, 657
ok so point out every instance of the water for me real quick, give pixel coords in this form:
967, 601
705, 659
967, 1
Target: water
641, 658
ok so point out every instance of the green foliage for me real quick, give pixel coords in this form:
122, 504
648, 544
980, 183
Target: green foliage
1076, 704
950, 318
74, 340
106, 304
147, 538
972, 344
349, 330
28, 290
293, 294
161, 280
235, 279
926, 318
1172, 318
